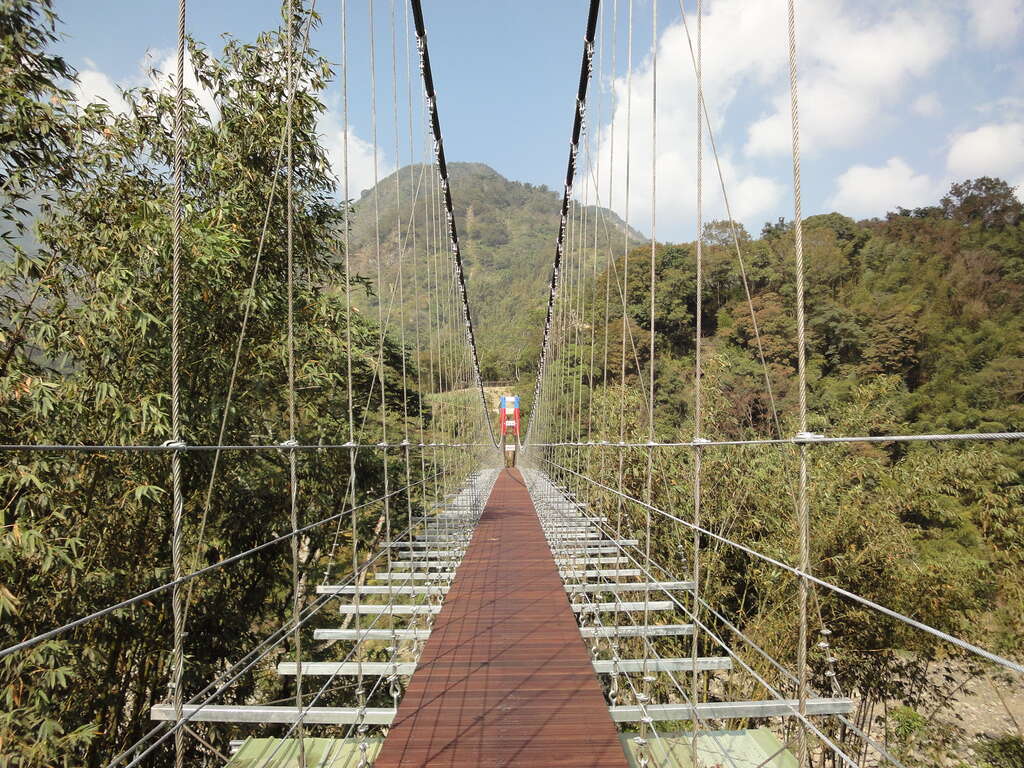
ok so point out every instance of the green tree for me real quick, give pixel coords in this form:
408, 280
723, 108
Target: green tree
84, 531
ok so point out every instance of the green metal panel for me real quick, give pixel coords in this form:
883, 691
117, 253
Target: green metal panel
320, 753
752, 748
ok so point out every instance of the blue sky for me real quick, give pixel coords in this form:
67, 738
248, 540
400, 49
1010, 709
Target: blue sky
898, 98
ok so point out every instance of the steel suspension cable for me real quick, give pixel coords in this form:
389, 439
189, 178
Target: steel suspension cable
184, 579
649, 483
453, 235
232, 674
293, 480
698, 372
962, 644
177, 493
647, 574
803, 510
570, 174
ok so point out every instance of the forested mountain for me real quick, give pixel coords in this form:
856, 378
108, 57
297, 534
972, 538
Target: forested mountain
507, 233
930, 298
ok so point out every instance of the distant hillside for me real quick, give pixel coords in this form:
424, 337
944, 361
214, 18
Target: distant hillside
507, 231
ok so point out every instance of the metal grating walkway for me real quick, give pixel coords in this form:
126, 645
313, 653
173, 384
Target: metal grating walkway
505, 679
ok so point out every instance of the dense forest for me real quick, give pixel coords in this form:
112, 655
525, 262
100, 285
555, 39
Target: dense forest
915, 325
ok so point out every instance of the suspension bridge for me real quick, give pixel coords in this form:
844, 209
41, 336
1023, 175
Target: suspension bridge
509, 612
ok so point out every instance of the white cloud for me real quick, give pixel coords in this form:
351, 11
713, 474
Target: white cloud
95, 87
360, 156
996, 22
927, 105
159, 70
996, 149
726, 70
853, 66
155, 70
864, 191
857, 62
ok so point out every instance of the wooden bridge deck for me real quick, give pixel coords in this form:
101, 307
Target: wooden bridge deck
505, 679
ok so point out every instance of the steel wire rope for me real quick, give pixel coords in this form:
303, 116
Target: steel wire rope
300, 447
352, 446
184, 721
624, 294
246, 313
789, 675
962, 644
650, 648
281, 634
380, 315
627, 329
401, 276
177, 495
793, 679
795, 710
293, 480
814, 438
698, 371
578, 117
649, 482
594, 163
803, 505
428, 83
305, 708
49, 634
649, 577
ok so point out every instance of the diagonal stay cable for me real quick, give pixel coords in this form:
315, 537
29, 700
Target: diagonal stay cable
771, 660
49, 634
235, 672
246, 314
963, 644
728, 650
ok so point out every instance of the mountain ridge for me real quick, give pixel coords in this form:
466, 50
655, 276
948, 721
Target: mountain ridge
507, 232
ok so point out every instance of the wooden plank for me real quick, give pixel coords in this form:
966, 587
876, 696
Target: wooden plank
505, 678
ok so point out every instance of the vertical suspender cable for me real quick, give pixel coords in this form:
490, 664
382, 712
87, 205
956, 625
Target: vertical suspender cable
624, 293
293, 481
177, 607
698, 372
395, 688
356, 575
647, 679
381, 331
803, 512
